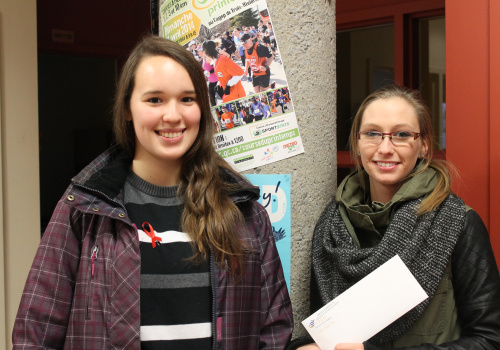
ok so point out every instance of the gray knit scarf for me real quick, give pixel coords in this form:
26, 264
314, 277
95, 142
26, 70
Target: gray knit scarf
424, 243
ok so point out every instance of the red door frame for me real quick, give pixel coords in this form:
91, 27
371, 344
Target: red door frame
494, 123
473, 106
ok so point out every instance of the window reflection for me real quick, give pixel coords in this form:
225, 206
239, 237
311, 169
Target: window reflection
365, 62
432, 73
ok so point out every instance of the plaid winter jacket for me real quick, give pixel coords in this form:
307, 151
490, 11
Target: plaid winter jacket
77, 299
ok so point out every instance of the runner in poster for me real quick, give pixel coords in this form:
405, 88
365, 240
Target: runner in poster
257, 108
258, 59
267, 110
211, 76
228, 73
227, 118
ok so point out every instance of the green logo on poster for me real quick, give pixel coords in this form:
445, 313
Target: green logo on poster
202, 4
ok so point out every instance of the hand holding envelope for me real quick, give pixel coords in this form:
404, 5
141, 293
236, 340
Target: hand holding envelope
353, 317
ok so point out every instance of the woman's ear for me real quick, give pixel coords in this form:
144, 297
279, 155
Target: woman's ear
424, 149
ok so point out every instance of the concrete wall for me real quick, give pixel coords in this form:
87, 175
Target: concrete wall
305, 32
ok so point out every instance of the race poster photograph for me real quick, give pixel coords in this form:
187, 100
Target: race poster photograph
234, 41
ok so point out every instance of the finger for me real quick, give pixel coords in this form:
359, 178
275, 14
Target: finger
349, 346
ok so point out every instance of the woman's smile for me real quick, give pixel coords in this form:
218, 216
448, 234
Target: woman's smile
170, 134
386, 165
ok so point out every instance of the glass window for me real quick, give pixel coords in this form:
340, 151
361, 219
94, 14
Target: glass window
432, 73
365, 62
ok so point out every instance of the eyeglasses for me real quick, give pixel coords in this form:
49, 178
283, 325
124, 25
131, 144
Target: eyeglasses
397, 138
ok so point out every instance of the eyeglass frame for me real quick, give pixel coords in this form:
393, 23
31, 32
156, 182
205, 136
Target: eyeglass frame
416, 135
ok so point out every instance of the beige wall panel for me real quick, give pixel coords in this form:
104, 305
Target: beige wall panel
19, 193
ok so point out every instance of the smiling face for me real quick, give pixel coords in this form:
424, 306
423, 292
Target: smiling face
165, 114
387, 165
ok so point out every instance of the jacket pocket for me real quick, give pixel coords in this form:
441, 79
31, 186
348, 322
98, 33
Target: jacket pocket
90, 284
438, 323
432, 321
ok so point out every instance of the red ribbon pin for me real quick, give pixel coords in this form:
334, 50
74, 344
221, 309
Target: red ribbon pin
151, 233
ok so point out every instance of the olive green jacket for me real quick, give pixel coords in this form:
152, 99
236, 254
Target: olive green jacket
464, 312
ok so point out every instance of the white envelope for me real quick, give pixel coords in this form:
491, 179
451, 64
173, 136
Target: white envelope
367, 307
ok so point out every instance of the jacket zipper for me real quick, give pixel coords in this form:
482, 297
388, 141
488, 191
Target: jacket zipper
93, 256
214, 313
95, 250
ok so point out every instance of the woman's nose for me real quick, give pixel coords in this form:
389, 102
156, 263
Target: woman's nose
386, 145
171, 112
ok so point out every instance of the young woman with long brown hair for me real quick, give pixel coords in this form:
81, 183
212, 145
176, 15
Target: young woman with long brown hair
158, 243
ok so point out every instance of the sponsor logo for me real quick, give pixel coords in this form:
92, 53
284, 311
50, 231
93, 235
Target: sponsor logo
243, 159
269, 127
311, 324
268, 154
291, 146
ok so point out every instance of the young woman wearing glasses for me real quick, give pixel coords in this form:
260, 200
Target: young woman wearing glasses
399, 201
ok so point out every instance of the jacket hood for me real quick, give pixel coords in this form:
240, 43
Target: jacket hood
107, 173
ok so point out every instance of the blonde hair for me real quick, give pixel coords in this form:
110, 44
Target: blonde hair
443, 169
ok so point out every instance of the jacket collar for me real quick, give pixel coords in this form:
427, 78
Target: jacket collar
108, 172
353, 197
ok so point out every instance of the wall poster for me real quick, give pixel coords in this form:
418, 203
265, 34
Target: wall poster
252, 107
275, 197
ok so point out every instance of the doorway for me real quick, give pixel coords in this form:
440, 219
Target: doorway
81, 47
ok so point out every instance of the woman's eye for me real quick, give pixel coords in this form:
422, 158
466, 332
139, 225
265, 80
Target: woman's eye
372, 133
154, 100
402, 134
188, 99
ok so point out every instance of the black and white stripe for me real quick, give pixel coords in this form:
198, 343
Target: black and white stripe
175, 292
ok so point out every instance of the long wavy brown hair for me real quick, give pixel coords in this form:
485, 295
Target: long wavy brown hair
210, 217
443, 169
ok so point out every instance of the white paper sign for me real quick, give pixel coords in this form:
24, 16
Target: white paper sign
367, 307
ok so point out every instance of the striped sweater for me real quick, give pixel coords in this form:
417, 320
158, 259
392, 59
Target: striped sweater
175, 294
